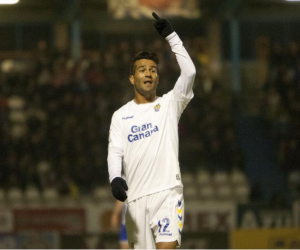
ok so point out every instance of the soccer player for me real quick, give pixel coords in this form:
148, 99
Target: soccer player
120, 208
144, 140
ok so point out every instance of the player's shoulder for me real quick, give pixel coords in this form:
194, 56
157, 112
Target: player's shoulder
167, 96
125, 107
123, 110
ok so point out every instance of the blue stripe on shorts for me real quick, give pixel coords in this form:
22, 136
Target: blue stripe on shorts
123, 235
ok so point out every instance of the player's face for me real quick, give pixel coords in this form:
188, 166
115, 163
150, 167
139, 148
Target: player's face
145, 77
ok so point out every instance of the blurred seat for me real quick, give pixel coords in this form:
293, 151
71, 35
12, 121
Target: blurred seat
220, 178
32, 193
237, 177
187, 178
293, 179
224, 192
14, 195
102, 193
7, 65
190, 192
17, 116
207, 192
203, 177
17, 131
16, 103
241, 193
50, 194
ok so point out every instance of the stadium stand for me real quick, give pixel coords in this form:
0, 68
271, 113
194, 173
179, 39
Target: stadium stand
281, 107
55, 115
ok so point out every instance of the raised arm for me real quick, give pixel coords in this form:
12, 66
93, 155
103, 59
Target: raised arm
188, 71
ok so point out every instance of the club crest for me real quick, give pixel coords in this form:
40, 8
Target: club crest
157, 107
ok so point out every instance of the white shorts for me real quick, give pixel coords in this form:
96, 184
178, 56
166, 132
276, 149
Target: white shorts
157, 217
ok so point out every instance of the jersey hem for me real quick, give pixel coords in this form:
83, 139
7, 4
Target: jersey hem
153, 192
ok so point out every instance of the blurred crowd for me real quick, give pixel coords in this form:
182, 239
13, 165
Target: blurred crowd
281, 107
55, 114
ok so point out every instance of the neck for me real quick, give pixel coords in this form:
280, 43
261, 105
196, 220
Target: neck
141, 99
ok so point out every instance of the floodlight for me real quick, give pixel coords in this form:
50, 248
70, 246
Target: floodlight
9, 1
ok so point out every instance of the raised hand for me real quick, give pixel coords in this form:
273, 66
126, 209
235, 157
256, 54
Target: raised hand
163, 27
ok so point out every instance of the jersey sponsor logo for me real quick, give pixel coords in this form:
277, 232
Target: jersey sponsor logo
157, 107
177, 177
128, 117
140, 132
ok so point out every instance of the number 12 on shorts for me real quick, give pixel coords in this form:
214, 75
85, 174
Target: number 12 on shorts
165, 223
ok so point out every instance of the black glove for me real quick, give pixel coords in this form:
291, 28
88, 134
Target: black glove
163, 27
118, 187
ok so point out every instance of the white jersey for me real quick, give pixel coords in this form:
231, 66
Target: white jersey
145, 136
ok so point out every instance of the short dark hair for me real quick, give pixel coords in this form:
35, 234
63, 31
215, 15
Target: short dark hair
143, 55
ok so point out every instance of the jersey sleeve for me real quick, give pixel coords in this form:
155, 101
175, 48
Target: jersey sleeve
186, 79
115, 147
183, 89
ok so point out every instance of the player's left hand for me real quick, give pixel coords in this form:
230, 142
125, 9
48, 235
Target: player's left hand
163, 27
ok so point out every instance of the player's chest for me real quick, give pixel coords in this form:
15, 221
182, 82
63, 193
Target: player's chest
143, 119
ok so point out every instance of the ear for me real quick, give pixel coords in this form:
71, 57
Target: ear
131, 79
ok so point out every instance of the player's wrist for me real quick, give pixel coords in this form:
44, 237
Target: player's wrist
117, 176
171, 36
